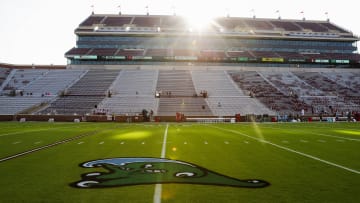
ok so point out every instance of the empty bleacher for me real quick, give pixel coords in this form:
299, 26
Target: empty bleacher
4, 72
223, 96
339, 97
267, 94
85, 94
132, 91
14, 105
178, 94
53, 82
24, 77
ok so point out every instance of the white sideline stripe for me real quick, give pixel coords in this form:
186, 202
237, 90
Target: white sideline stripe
158, 187
291, 150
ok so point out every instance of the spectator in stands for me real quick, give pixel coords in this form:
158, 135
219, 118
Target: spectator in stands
349, 116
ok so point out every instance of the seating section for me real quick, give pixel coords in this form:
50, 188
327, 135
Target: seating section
199, 92
53, 82
37, 86
249, 25
178, 94
14, 105
91, 20
290, 84
223, 96
24, 77
189, 106
85, 94
132, 91
266, 93
4, 72
343, 98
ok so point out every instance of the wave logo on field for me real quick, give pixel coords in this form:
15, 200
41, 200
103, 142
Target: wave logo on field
140, 171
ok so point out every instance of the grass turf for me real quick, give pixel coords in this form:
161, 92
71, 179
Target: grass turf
235, 150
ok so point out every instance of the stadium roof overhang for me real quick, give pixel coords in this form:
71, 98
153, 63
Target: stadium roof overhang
283, 36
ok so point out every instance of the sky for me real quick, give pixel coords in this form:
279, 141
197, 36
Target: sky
41, 31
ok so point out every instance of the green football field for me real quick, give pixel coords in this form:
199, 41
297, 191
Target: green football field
179, 162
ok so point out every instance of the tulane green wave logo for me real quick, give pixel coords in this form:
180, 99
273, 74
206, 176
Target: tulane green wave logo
140, 171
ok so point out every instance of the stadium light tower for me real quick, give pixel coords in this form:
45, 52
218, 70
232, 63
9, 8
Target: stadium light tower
173, 8
252, 11
92, 9
147, 9
278, 12
303, 15
119, 6
227, 12
327, 16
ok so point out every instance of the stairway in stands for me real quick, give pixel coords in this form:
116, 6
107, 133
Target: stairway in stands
178, 95
83, 96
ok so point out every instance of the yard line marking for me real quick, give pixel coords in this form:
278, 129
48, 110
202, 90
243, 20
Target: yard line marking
101, 142
226, 142
321, 134
246, 142
143, 143
290, 150
352, 139
158, 187
80, 142
29, 131
49, 145
37, 142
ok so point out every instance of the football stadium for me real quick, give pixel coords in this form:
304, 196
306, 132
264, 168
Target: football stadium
151, 108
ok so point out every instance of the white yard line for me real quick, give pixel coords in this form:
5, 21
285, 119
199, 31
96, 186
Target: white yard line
30, 131
321, 134
158, 187
291, 150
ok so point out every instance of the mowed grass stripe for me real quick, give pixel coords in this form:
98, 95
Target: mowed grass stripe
48, 146
47, 137
344, 152
290, 150
313, 133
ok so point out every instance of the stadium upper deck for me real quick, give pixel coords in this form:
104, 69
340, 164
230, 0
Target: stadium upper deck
119, 39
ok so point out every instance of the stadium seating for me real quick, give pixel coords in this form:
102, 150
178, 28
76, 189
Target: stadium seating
223, 96
53, 82
178, 94
132, 91
14, 105
85, 94
261, 89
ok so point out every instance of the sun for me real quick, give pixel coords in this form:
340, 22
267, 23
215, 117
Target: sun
199, 16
